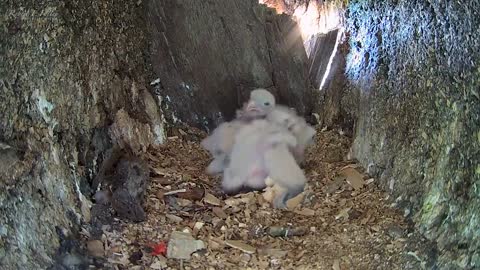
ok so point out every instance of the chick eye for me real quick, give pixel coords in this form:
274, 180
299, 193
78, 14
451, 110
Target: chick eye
266, 103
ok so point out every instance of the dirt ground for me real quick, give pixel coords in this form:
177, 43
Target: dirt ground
335, 227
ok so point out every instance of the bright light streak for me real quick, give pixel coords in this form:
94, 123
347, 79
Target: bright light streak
329, 65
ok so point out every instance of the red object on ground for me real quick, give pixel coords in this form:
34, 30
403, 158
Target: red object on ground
159, 249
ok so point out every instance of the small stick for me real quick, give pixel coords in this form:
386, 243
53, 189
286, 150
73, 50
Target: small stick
175, 192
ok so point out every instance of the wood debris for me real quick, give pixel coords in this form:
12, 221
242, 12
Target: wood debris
329, 224
295, 201
273, 252
305, 212
219, 212
210, 199
175, 192
174, 218
241, 246
343, 214
353, 177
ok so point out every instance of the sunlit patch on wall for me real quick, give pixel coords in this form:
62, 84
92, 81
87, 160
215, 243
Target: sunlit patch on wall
315, 19
312, 18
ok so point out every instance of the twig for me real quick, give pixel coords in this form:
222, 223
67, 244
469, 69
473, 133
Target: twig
175, 192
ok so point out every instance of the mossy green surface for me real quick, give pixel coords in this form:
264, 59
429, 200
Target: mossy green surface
414, 65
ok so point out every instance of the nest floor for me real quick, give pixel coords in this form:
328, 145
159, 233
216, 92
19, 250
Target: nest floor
338, 225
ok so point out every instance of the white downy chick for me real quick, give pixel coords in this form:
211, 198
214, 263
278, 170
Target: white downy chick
262, 149
261, 103
295, 124
221, 141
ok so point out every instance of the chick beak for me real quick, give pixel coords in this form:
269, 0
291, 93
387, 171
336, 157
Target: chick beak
252, 107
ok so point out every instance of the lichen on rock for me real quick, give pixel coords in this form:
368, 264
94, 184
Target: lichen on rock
412, 69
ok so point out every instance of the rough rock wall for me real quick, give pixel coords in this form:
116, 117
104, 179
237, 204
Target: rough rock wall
66, 68
78, 76
208, 55
413, 75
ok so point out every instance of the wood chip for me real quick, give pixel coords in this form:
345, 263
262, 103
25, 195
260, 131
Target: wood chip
248, 198
274, 252
210, 199
198, 225
161, 180
305, 212
269, 194
353, 177
159, 171
183, 133
343, 213
219, 212
241, 246
193, 194
175, 192
295, 201
232, 202
174, 218
351, 166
